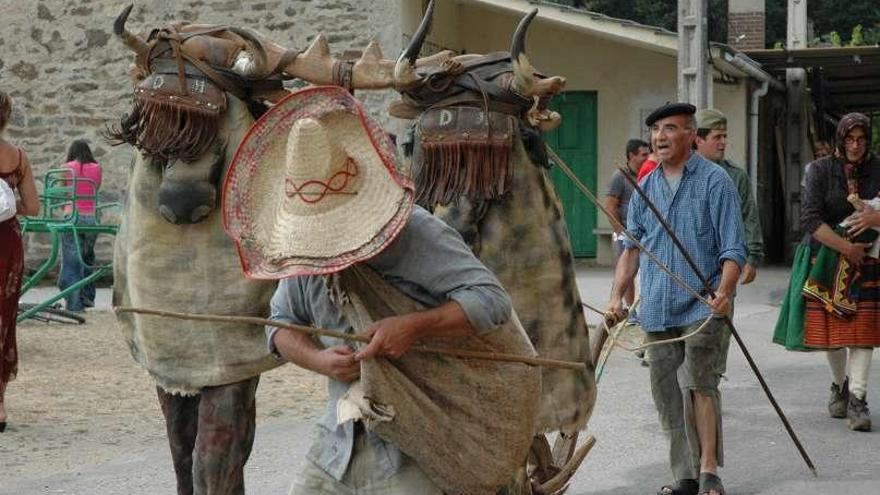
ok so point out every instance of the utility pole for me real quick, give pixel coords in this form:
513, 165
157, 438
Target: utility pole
694, 80
796, 150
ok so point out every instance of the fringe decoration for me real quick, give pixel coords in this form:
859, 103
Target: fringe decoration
167, 130
476, 170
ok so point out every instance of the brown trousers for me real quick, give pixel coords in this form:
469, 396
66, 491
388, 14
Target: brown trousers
211, 435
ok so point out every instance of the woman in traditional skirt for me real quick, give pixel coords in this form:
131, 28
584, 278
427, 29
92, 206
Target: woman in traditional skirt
16, 171
833, 302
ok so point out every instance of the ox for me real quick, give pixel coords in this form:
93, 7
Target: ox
198, 89
479, 162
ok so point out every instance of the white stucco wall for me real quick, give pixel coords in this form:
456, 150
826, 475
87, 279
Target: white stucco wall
733, 100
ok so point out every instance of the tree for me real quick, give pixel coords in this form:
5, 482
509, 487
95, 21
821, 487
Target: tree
831, 19
775, 23
827, 17
832, 15
660, 13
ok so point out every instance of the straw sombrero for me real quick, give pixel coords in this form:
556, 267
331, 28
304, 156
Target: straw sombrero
313, 188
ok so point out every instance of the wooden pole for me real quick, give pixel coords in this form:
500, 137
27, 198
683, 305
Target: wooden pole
458, 353
708, 288
580, 185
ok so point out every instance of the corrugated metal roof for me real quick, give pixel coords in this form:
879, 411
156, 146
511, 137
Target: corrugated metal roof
816, 57
844, 79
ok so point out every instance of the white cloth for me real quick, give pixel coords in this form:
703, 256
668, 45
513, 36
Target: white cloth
859, 360
7, 201
859, 368
355, 406
837, 362
874, 204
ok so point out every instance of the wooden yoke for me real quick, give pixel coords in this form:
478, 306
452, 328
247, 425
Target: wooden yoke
255, 58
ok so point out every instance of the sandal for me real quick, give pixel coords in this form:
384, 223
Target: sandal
710, 482
681, 487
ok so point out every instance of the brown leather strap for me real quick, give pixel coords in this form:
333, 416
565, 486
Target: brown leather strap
342, 74
15, 174
178, 57
469, 100
217, 78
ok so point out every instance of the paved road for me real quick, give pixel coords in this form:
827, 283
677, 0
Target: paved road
630, 456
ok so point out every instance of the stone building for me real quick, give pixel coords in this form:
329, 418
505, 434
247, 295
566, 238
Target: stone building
66, 72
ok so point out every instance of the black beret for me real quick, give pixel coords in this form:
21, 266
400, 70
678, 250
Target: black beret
668, 110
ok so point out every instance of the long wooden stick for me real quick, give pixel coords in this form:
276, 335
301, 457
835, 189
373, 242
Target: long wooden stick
565, 473
459, 353
593, 309
742, 345
589, 194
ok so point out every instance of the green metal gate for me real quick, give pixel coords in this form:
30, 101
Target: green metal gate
575, 142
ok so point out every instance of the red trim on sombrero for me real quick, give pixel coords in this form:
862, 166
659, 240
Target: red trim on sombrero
314, 190
308, 102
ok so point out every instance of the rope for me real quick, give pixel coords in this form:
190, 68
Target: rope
700, 298
666, 341
580, 185
457, 353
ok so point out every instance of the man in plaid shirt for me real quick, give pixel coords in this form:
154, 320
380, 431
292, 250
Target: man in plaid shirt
701, 203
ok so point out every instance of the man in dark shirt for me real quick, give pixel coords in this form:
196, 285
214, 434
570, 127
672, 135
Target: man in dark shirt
711, 144
617, 200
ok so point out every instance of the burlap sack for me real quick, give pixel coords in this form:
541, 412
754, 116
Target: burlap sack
467, 423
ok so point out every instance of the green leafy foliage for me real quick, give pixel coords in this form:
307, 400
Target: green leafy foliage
837, 22
835, 39
858, 37
661, 13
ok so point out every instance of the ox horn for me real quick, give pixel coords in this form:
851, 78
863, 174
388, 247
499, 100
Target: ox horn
130, 40
524, 81
523, 72
404, 70
317, 66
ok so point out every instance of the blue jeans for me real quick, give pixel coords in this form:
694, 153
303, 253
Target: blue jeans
74, 269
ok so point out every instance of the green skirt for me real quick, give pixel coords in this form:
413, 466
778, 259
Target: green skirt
789, 330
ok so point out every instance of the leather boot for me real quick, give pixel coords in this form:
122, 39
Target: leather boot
837, 403
858, 414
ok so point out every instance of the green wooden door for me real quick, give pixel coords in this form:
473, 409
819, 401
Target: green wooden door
575, 142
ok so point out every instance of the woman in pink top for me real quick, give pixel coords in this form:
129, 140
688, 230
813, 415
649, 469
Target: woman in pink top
77, 265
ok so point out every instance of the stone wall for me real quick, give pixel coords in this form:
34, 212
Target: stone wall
66, 72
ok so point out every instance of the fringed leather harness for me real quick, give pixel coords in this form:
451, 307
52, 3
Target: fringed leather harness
467, 129
179, 104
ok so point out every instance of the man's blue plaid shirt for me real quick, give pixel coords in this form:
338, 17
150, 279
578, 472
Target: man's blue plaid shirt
705, 215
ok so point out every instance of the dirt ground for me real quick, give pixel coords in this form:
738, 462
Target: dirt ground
80, 398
